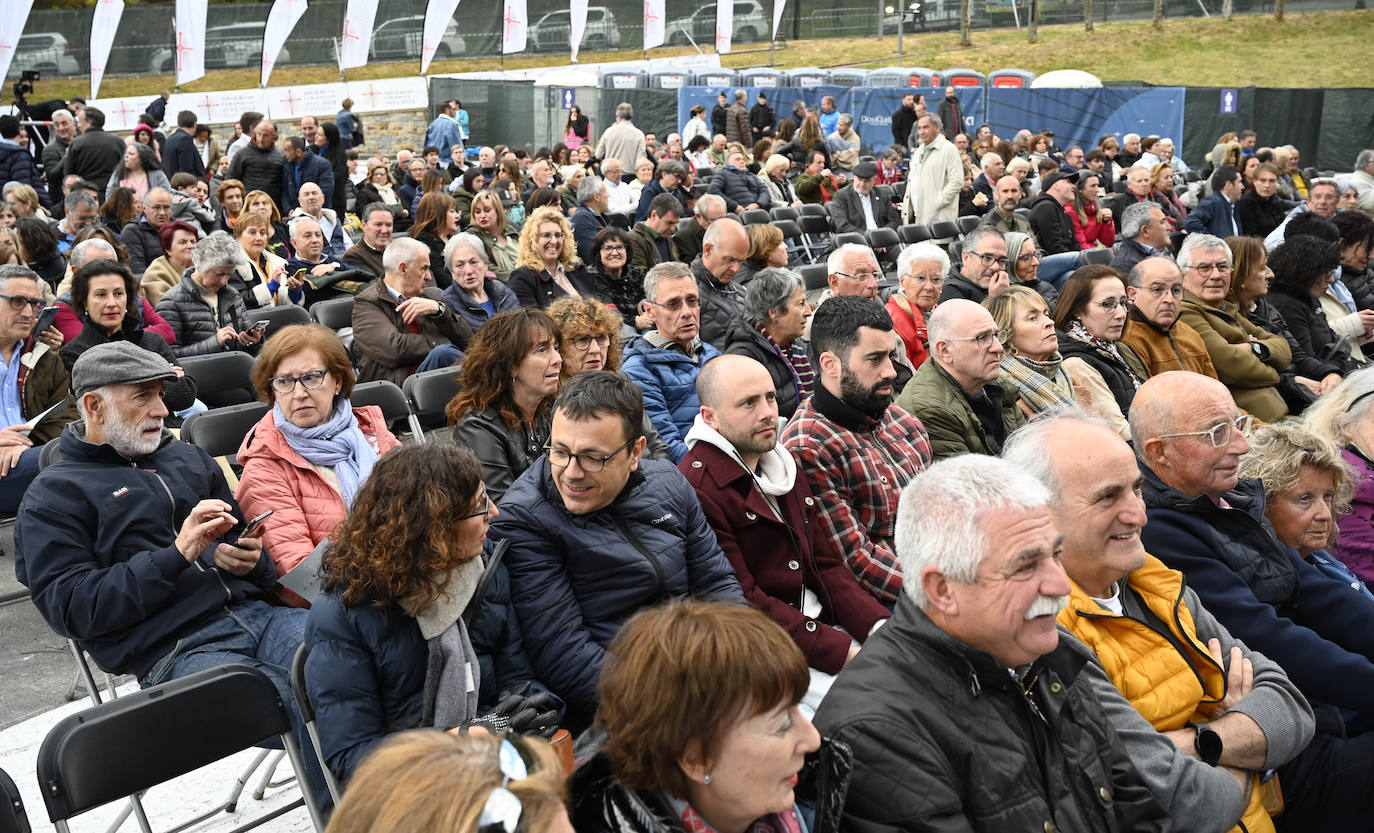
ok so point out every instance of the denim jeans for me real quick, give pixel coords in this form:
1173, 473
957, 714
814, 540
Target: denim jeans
445, 355
1055, 269
255, 634
17, 480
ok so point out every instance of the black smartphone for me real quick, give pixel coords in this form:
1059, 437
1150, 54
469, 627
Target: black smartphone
45, 318
251, 530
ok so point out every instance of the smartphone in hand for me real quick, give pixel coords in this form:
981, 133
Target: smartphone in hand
251, 530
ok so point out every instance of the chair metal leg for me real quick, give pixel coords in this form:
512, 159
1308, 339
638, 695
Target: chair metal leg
293, 752
266, 782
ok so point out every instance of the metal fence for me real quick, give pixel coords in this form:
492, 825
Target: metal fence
56, 41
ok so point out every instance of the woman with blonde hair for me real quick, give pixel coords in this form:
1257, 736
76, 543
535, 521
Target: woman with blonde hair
260, 277
766, 248
488, 224
1163, 190
380, 187
258, 202
547, 266
426, 781
23, 201
1032, 368
1345, 417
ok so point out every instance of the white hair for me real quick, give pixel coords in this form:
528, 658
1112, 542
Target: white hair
922, 252
940, 516
460, 240
835, 263
1206, 242
401, 250
1028, 447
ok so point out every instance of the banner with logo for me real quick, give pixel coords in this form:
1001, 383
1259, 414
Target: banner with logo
357, 33
190, 40
778, 6
654, 11
437, 15
577, 19
280, 21
13, 15
103, 27
725, 25
514, 27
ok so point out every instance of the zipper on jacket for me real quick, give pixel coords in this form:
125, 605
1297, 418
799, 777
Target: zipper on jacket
658, 569
228, 596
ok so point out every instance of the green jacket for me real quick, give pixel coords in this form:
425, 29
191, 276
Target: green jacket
933, 397
43, 382
643, 252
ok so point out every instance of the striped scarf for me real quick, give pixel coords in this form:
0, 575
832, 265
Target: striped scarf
1041, 385
797, 362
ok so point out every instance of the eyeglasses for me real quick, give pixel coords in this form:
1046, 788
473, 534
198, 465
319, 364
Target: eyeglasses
676, 304
615, 248
982, 341
585, 342
989, 260
484, 511
862, 277
1111, 304
931, 279
502, 810
551, 235
1221, 268
1029, 256
310, 380
18, 302
1157, 291
589, 463
1220, 434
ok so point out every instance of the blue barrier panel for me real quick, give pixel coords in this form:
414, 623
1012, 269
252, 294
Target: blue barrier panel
1080, 117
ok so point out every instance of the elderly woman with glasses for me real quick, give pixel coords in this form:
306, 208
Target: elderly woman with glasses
1090, 317
775, 315
505, 408
1248, 359
921, 271
1032, 368
548, 266
474, 294
312, 451
1025, 257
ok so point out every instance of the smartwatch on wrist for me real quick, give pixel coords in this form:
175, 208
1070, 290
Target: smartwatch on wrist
1207, 743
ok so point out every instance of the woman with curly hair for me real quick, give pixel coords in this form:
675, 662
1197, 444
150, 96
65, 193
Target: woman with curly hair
399, 573
424, 781
119, 209
1304, 268
547, 266
504, 410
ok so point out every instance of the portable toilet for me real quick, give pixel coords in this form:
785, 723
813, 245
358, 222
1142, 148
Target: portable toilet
899, 77
1011, 78
670, 80
763, 77
850, 77
963, 78
623, 80
718, 77
807, 77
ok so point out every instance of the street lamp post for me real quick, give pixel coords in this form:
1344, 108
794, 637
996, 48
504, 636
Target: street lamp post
901, 13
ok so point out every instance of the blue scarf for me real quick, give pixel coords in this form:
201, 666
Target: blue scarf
337, 442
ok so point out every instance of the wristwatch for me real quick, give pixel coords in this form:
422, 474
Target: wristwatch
1207, 743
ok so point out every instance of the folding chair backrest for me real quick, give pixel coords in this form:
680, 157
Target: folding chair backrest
385, 395
13, 819
882, 238
219, 371
620, 220
968, 224
849, 237
220, 431
912, 233
143, 739
1099, 256
277, 317
307, 710
814, 276
336, 313
785, 212
430, 392
944, 230
750, 216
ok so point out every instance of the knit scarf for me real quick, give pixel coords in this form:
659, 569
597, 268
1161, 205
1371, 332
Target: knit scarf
337, 442
453, 674
796, 361
1043, 385
1078, 331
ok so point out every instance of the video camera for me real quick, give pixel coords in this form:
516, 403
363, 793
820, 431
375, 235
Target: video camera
24, 86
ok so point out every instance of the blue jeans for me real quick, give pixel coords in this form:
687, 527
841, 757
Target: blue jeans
255, 634
445, 355
1055, 269
13, 484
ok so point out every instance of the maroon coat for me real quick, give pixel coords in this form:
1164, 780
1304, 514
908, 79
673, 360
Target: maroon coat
774, 560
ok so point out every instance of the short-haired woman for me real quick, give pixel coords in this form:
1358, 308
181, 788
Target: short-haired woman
178, 240
766, 249
775, 315
474, 293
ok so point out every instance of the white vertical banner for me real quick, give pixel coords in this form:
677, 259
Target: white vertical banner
13, 15
437, 16
190, 40
725, 25
778, 6
653, 23
280, 21
514, 25
577, 19
103, 27
357, 33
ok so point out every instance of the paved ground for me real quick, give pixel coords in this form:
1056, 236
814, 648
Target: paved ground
34, 663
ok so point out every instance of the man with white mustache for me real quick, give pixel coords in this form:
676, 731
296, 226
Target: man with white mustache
967, 711
1230, 712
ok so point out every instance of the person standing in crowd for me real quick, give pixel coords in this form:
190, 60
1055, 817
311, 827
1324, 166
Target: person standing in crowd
622, 140
259, 164
936, 177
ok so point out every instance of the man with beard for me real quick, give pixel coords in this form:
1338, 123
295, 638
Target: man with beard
856, 449
768, 523
1006, 198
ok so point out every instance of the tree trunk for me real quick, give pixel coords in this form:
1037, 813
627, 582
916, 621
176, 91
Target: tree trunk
964, 15
1088, 15
1033, 27
1159, 15
1278, 10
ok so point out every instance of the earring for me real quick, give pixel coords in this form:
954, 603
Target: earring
706, 779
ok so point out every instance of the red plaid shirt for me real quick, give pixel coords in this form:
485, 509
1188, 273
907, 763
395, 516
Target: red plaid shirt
858, 474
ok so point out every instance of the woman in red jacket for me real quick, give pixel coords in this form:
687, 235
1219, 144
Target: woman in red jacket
1092, 224
921, 269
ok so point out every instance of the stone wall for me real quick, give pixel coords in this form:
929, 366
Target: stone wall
387, 132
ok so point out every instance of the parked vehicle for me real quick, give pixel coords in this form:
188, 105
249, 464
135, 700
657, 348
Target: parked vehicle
47, 52
553, 31
752, 23
401, 38
226, 47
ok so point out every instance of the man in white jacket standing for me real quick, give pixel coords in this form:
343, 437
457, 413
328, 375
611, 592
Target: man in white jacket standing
937, 176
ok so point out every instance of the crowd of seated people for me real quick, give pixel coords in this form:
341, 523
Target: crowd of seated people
682, 511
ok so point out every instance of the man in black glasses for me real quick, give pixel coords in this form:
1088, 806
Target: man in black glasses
596, 533
1208, 523
982, 269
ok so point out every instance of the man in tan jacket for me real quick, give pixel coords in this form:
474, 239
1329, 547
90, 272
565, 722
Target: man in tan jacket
622, 140
1153, 328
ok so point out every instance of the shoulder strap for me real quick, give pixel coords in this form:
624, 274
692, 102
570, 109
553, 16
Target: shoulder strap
475, 603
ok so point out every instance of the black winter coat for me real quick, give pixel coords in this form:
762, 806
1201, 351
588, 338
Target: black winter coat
739, 188
140, 238
16, 165
1308, 326
1052, 226
743, 339
195, 323
1122, 379
179, 394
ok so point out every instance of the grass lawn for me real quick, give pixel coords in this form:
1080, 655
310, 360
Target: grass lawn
1319, 49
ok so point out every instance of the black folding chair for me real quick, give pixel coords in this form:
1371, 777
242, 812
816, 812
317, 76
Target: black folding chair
620, 221
387, 396
13, 819
219, 372
912, 233
277, 317
846, 237
794, 238
307, 710
968, 224
944, 230
429, 393
220, 431
127, 746
335, 313
750, 216
815, 278
785, 212
1098, 256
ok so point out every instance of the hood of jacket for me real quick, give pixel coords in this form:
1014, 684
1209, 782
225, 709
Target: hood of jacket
777, 471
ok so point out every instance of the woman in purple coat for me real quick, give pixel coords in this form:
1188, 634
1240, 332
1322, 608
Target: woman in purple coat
1345, 415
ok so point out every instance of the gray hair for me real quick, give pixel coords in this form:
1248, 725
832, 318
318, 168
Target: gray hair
974, 239
588, 188
1028, 447
988, 157
14, 270
845, 118
739, 95
295, 222
768, 292
79, 198
835, 263
372, 208
217, 250
401, 250
57, 114
1364, 158
923, 252
103, 392
1200, 241
666, 269
940, 516
1136, 217
706, 201
623, 110
460, 240
77, 256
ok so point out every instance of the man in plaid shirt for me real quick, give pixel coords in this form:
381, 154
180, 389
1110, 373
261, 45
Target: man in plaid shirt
855, 447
